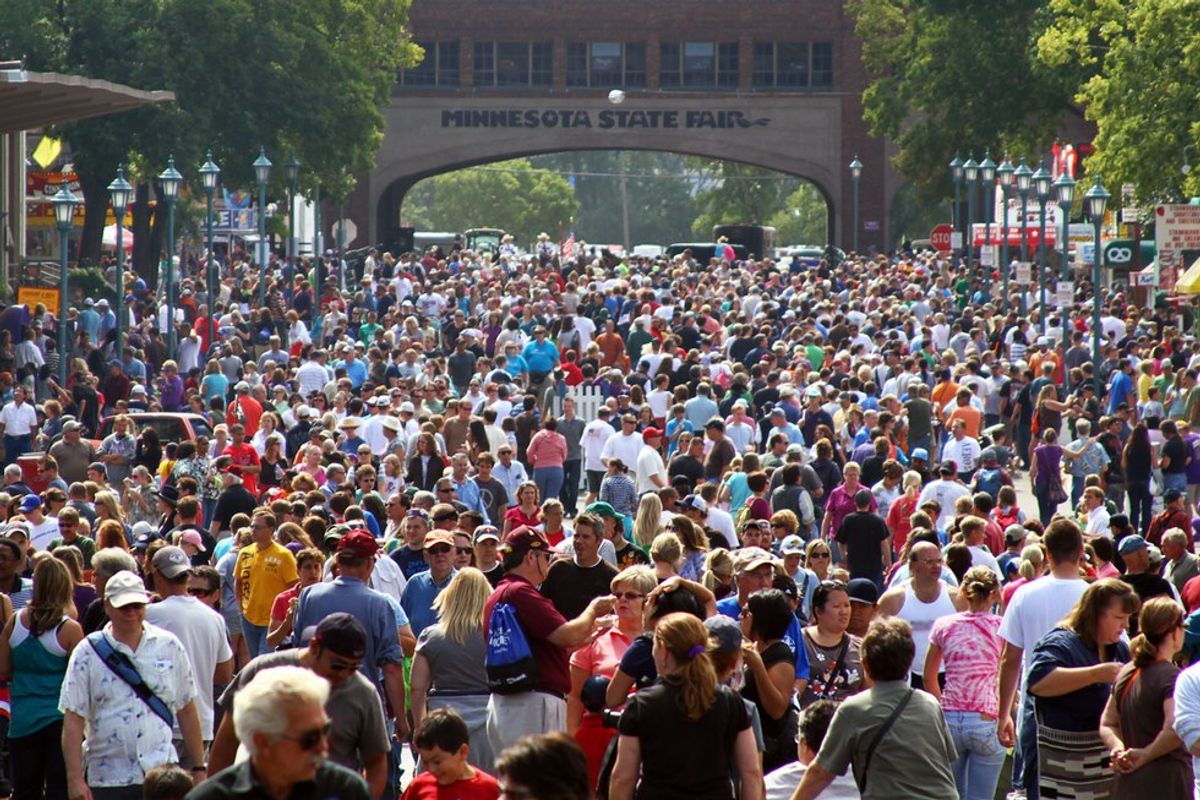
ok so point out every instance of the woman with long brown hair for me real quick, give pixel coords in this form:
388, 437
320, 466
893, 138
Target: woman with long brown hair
686, 734
1137, 725
34, 649
1070, 675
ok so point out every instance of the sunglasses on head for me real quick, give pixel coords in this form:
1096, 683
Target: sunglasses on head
310, 739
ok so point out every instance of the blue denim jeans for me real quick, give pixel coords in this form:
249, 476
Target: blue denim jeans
256, 637
980, 755
549, 481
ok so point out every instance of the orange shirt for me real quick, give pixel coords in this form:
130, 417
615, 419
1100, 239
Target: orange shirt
942, 393
968, 414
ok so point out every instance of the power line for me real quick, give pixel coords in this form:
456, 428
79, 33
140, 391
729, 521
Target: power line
697, 176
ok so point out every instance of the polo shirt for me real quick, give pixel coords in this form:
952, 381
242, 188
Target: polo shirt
539, 619
418, 596
371, 608
332, 782
264, 574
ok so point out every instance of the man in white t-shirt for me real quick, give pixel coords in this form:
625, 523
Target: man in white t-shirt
974, 531
1032, 612
199, 628
651, 471
813, 725
1187, 717
42, 529
626, 445
945, 490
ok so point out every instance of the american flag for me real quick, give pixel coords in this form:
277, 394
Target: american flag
568, 247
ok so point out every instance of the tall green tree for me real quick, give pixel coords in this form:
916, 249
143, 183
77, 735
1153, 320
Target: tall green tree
738, 193
953, 75
302, 77
804, 219
1138, 66
513, 195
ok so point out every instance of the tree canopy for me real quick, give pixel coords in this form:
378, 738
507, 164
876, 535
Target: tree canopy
302, 78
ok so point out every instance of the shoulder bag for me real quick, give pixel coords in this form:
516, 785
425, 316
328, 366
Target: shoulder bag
123, 668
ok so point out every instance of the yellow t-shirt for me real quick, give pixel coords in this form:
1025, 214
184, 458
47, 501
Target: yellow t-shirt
264, 574
1144, 382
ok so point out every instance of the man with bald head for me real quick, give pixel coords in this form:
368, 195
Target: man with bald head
922, 600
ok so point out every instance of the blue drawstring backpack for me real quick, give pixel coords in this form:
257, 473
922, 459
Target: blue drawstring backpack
511, 667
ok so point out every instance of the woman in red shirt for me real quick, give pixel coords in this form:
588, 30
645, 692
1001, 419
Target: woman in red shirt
527, 511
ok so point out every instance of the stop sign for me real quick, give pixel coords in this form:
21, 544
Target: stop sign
939, 237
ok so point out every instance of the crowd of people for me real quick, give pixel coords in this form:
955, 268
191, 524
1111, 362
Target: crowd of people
586, 528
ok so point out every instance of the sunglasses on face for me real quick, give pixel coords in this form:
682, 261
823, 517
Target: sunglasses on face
438, 550
199, 591
464, 551
310, 739
628, 595
819, 555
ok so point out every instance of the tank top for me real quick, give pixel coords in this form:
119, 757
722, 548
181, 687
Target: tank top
921, 617
39, 667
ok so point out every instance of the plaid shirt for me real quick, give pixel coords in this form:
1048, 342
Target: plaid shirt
619, 492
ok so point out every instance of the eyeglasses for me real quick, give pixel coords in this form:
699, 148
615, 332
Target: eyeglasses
438, 549
464, 551
445, 490
628, 595
818, 555
310, 739
199, 591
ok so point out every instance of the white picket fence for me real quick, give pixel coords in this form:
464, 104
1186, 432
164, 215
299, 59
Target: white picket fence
588, 400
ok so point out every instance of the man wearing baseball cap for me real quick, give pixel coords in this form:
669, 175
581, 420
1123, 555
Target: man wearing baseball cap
753, 570
358, 737
199, 628
651, 471
424, 587
388, 632
95, 698
551, 637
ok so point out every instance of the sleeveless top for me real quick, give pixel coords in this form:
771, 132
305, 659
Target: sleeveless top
921, 617
39, 666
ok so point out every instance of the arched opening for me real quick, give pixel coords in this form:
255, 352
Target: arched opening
623, 197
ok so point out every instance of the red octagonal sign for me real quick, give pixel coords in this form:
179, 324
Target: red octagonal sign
939, 237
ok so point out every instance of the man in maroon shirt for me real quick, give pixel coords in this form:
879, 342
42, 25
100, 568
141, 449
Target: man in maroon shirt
527, 556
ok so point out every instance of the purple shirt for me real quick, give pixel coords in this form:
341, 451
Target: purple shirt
1192, 440
172, 393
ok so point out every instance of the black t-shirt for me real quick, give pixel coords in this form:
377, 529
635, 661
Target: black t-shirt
1175, 449
232, 501
778, 653
683, 758
689, 467
862, 532
90, 418
631, 556
571, 587
1148, 586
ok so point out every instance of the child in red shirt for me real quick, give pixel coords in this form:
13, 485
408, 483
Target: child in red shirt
443, 743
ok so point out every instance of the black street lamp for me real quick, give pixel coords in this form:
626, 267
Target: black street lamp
956, 173
120, 193
1005, 173
292, 171
1096, 200
1041, 186
1064, 187
971, 173
262, 174
170, 180
209, 174
856, 168
64, 203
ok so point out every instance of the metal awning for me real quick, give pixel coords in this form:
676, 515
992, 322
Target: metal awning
31, 100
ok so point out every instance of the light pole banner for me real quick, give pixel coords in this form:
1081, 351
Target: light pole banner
987, 255
1024, 272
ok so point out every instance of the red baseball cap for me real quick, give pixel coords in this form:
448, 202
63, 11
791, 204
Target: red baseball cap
526, 538
652, 433
359, 543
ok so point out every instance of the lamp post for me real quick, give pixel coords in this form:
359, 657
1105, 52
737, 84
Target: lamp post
64, 215
856, 169
1096, 200
956, 172
971, 173
169, 180
1005, 172
317, 252
209, 174
120, 193
262, 174
987, 179
1023, 175
1065, 189
1041, 187
292, 170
